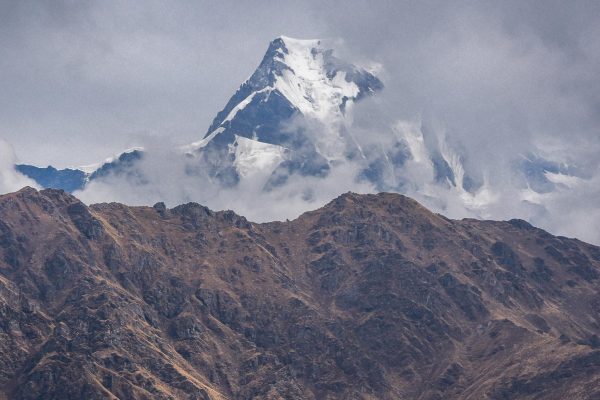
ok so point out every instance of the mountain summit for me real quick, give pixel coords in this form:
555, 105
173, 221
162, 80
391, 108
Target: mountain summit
296, 78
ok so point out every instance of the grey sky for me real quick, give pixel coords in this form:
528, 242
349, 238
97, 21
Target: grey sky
83, 80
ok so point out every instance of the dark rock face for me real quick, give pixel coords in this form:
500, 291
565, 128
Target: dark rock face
84, 221
371, 297
71, 180
67, 179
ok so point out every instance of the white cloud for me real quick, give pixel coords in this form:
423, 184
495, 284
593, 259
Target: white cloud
10, 179
167, 178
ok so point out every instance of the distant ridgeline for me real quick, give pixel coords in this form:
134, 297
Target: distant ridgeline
66, 179
73, 179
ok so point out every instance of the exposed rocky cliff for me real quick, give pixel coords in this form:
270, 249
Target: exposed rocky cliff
370, 297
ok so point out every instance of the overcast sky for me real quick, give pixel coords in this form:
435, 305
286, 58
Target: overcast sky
83, 80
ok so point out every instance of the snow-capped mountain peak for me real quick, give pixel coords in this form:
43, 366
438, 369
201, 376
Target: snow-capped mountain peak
294, 76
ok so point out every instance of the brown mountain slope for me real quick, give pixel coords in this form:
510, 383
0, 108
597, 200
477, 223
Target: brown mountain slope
370, 297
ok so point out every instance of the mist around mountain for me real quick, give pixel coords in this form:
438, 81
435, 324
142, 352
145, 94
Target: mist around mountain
10, 178
307, 126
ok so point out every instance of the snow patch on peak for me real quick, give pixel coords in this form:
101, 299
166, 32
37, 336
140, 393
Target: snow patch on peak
410, 132
307, 83
256, 158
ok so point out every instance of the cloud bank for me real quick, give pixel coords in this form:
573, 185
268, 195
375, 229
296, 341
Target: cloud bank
10, 179
165, 175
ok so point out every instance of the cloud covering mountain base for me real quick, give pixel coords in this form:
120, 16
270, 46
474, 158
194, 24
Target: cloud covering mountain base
164, 175
10, 179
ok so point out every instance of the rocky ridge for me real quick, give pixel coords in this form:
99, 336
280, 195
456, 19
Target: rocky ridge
370, 297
